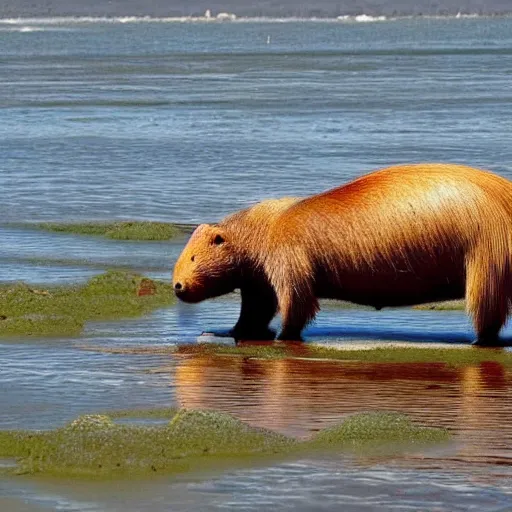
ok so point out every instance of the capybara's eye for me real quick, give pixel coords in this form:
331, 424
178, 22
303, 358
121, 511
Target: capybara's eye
218, 240
193, 258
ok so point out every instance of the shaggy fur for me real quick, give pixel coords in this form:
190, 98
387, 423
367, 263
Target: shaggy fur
400, 236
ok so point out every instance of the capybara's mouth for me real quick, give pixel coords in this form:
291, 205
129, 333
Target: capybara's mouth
186, 296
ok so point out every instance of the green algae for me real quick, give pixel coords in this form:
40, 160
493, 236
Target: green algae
96, 446
449, 305
158, 413
122, 230
25, 311
380, 428
40, 325
456, 357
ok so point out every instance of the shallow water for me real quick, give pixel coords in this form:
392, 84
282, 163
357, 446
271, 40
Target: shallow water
39, 257
46, 383
186, 123
328, 484
297, 397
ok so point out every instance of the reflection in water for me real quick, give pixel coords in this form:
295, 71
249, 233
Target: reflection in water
298, 396
485, 413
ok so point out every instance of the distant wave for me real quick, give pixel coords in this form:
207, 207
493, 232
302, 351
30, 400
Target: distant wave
27, 28
20, 29
362, 18
219, 18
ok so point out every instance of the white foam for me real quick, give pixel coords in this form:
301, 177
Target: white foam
364, 18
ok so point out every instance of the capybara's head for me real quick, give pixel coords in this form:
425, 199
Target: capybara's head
207, 266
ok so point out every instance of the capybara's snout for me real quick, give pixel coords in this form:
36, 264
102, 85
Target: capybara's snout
180, 288
185, 291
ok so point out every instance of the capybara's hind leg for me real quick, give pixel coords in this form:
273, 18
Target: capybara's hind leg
259, 306
296, 312
489, 316
487, 301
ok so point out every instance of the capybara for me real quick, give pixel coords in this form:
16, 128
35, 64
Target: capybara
403, 235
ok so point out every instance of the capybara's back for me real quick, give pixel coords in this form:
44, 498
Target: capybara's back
400, 236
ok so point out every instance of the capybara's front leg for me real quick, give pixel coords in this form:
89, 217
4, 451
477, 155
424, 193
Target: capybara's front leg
259, 306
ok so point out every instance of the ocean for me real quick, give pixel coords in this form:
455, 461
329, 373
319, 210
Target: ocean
186, 122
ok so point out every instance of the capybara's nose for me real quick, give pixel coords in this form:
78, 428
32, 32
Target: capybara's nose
178, 287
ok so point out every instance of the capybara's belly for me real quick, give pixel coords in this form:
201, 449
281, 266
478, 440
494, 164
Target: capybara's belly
394, 286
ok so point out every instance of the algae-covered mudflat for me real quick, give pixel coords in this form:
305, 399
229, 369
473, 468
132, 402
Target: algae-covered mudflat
449, 305
94, 445
64, 310
120, 230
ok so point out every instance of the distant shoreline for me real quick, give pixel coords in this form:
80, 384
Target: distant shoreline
232, 18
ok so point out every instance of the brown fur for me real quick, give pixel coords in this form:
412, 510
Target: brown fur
400, 236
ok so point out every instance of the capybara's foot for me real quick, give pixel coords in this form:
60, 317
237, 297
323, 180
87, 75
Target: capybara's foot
489, 341
265, 334
290, 335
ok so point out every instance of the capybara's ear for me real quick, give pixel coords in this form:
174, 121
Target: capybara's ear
219, 239
218, 236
